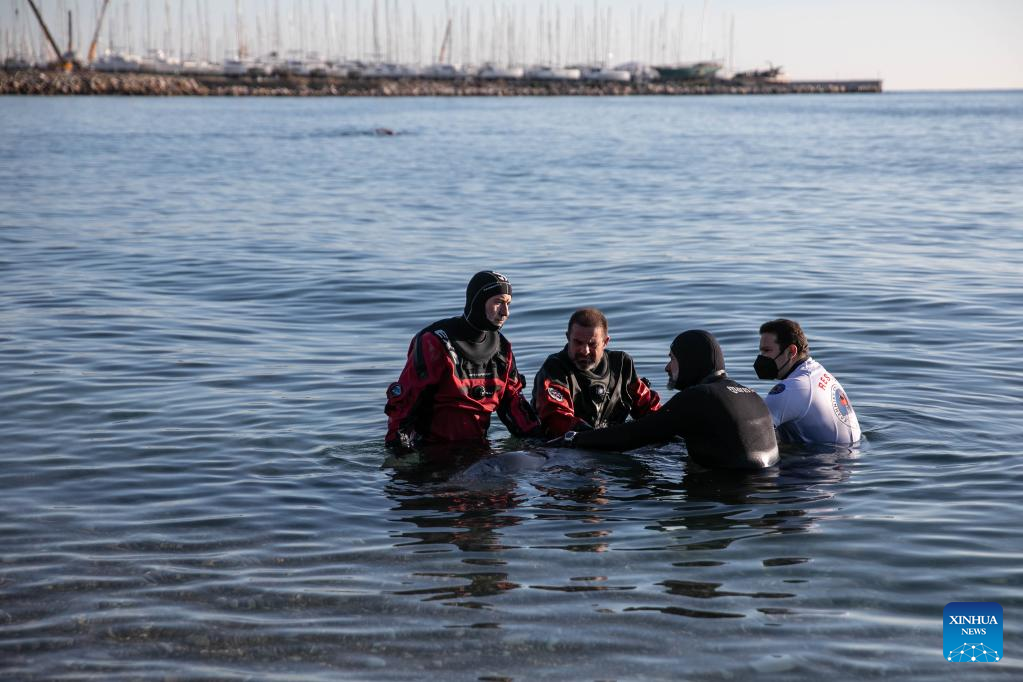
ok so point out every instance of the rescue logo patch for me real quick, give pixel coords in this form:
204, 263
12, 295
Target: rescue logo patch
778, 388
843, 408
555, 394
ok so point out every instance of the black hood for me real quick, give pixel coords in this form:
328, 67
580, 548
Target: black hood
472, 344
482, 286
699, 356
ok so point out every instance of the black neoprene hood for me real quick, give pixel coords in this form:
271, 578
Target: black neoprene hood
699, 354
481, 288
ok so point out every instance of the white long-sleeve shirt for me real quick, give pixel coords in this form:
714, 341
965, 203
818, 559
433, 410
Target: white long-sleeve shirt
810, 406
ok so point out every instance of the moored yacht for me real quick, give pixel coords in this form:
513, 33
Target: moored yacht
492, 72
607, 74
553, 73
157, 61
115, 61
445, 71
688, 72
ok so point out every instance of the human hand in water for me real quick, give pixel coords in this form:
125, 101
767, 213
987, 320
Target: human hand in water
564, 441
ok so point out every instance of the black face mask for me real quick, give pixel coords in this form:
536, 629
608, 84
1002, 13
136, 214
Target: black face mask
765, 366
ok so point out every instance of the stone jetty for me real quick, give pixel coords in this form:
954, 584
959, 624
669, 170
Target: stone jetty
41, 82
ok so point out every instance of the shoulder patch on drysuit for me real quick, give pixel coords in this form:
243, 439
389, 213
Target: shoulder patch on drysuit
840, 403
555, 394
778, 388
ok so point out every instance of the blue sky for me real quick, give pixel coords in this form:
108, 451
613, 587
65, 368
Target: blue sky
911, 44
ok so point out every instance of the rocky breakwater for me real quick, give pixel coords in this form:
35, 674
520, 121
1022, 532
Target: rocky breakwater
36, 82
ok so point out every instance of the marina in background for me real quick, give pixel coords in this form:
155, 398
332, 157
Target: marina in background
495, 52
48, 82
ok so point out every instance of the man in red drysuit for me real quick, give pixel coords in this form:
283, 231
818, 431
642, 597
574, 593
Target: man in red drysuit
459, 371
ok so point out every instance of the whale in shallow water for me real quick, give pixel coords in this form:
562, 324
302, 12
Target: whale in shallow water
509, 464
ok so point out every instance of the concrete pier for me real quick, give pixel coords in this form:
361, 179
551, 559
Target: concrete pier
39, 82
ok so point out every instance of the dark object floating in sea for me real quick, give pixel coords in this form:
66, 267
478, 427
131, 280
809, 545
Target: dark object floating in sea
384, 131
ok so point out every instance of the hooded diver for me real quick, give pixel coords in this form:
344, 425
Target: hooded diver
459, 371
724, 424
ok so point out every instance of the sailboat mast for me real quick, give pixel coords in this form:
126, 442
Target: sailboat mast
238, 28
416, 45
181, 32
326, 31
703, 22
731, 45
376, 31
444, 43
388, 25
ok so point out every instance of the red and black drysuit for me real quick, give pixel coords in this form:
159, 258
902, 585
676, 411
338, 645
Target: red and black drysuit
565, 396
456, 376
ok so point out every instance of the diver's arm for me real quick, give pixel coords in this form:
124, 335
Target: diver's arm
513, 409
788, 401
406, 397
644, 399
552, 399
657, 427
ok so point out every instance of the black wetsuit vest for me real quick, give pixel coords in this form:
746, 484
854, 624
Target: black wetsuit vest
599, 396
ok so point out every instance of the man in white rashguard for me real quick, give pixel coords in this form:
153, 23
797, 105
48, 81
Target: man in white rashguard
809, 405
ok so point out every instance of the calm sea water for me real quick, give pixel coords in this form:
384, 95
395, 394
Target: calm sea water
202, 302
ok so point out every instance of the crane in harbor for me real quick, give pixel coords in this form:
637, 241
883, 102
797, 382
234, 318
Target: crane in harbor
68, 60
91, 57
444, 44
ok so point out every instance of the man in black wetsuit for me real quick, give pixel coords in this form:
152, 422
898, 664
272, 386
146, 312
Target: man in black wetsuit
724, 424
585, 385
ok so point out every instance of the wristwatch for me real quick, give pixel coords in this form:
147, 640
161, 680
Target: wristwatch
569, 437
